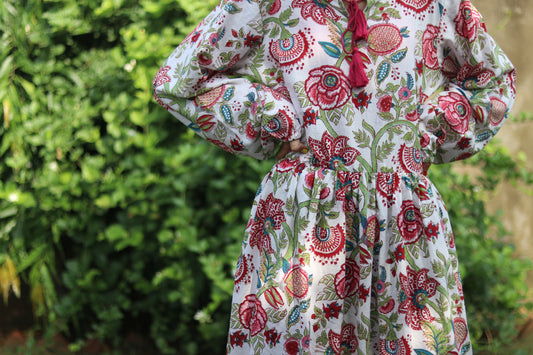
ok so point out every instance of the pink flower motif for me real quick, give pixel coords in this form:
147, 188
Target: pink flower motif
404, 93
269, 216
457, 111
344, 343
333, 152
252, 315
324, 193
161, 76
467, 21
429, 47
385, 103
347, 279
410, 222
417, 288
327, 87
319, 11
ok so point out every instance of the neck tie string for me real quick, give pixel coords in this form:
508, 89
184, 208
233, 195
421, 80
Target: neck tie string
357, 25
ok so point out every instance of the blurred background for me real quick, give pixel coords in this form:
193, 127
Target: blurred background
119, 230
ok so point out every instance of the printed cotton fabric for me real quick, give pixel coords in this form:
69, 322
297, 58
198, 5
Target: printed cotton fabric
349, 249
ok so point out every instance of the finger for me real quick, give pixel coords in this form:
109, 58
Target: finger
297, 146
283, 151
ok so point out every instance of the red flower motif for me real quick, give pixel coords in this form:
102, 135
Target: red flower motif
457, 111
243, 270
362, 100
410, 222
416, 289
344, 343
272, 337
237, 339
297, 281
252, 315
394, 347
388, 307
286, 165
473, 77
432, 231
410, 159
292, 346
327, 243
161, 76
251, 40
467, 21
399, 253
318, 10
327, 87
309, 117
333, 152
429, 47
332, 310
269, 216
385, 103
347, 279
279, 126
236, 144
387, 185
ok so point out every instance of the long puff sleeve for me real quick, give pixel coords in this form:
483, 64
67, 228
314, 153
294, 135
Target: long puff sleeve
211, 84
463, 115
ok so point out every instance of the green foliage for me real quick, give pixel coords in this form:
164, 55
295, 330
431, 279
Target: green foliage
493, 278
119, 219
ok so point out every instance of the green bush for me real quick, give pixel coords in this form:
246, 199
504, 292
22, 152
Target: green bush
120, 220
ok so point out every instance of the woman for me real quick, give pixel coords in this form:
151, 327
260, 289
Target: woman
349, 248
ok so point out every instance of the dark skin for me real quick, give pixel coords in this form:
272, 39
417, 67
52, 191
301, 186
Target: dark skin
296, 145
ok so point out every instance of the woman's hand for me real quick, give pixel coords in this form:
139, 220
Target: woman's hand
292, 146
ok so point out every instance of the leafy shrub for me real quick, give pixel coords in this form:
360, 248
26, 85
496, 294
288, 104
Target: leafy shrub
119, 219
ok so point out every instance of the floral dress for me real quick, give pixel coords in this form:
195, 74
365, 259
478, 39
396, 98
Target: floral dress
349, 248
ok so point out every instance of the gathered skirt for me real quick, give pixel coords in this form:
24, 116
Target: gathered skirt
346, 262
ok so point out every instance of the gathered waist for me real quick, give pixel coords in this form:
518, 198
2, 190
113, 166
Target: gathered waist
408, 162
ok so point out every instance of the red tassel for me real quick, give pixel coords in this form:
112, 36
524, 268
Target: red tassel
358, 26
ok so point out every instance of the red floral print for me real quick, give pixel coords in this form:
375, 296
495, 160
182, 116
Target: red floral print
429, 47
237, 338
467, 21
394, 347
344, 343
161, 76
385, 103
318, 10
292, 346
269, 217
410, 222
333, 152
327, 87
272, 337
347, 279
252, 315
417, 288
457, 111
